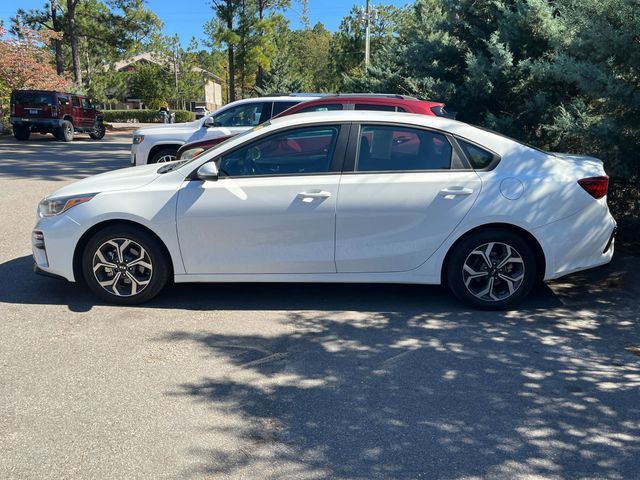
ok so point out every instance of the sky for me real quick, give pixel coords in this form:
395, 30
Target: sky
186, 17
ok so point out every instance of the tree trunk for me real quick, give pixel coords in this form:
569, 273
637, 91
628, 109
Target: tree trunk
57, 44
230, 53
260, 73
73, 40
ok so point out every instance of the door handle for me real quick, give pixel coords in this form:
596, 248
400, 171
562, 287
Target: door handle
453, 191
315, 194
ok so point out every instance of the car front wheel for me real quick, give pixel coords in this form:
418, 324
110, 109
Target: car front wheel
492, 269
165, 155
125, 265
98, 132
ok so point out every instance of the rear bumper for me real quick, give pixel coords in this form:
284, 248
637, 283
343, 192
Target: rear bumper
48, 123
579, 242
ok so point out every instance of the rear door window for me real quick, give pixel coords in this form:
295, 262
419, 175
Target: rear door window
389, 148
322, 108
279, 107
75, 101
376, 108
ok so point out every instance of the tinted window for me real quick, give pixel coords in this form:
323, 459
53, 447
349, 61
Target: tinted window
34, 98
75, 101
245, 115
386, 148
378, 108
62, 100
279, 107
322, 108
478, 157
300, 151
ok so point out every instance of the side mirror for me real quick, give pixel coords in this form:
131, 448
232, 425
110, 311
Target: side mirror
210, 122
208, 172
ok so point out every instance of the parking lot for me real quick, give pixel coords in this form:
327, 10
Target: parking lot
303, 381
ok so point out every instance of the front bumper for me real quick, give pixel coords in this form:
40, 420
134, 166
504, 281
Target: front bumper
47, 123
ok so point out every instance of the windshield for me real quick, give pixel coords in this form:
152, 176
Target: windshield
34, 98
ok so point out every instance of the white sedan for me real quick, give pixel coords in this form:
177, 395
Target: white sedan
336, 197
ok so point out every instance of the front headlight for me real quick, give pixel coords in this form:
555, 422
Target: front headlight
191, 153
55, 206
137, 139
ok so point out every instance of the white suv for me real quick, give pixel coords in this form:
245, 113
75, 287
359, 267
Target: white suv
160, 143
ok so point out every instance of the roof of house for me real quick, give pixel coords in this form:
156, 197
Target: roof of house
148, 57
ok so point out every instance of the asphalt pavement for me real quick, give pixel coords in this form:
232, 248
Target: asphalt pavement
311, 381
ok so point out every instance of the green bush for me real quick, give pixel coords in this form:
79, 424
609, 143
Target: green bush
145, 116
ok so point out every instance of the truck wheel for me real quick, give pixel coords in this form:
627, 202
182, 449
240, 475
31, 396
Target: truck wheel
21, 133
99, 131
65, 132
165, 155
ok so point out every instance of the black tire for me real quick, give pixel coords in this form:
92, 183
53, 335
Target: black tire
152, 253
470, 287
161, 155
21, 133
99, 131
64, 133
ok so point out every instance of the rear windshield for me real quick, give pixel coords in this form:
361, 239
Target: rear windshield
34, 98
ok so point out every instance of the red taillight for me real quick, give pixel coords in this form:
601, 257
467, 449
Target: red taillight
595, 186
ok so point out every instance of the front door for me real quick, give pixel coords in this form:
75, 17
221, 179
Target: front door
271, 211
403, 199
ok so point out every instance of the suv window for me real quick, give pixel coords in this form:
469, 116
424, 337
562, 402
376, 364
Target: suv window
294, 152
478, 157
75, 101
279, 107
245, 115
322, 108
86, 104
374, 107
33, 98
386, 148
63, 100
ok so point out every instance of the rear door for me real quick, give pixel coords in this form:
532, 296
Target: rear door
406, 192
34, 104
88, 112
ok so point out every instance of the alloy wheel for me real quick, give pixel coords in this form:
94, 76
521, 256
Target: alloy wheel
493, 271
122, 267
166, 158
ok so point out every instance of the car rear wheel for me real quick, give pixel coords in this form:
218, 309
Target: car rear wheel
65, 131
21, 133
492, 269
125, 265
164, 155
99, 131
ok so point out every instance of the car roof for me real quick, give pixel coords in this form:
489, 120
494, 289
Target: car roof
494, 141
275, 98
371, 98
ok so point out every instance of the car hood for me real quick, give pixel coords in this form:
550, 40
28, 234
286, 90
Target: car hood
123, 179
